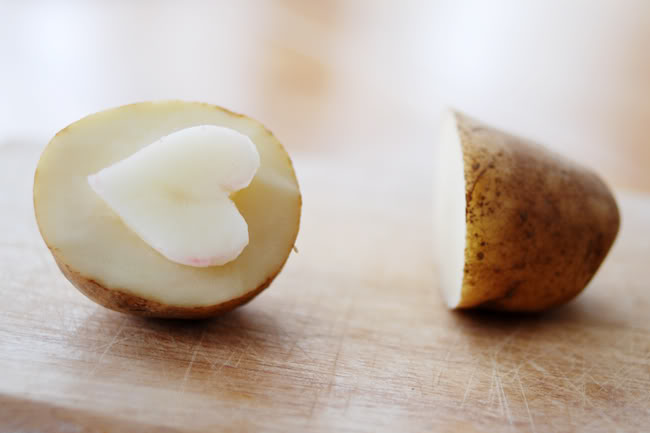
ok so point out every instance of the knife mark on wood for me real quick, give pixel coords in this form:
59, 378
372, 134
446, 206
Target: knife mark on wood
452, 345
468, 387
232, 352
108, 347
523, 394
189, 367
506, 405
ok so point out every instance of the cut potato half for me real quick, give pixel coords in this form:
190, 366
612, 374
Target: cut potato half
517, 227
115, 267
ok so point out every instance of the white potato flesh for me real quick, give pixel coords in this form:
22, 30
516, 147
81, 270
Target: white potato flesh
449, 213
174, 193
92, 240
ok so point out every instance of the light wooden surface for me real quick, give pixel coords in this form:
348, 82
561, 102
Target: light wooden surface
352, 336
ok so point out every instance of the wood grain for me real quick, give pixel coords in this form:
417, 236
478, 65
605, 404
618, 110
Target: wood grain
352, 336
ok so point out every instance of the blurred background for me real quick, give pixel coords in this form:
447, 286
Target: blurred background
345, 77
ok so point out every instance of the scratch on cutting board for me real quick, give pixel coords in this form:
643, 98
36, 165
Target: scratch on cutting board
108, 347
617, 379
490, 393
332, 374
290, 351
216, 369
593, 379
496, 386
255, 348
538, 367
501, 395
505, 403
505, 342
189, 367
523, 394
582, 394
468, 387
173, 340
295, 345
604, 416
452, 345
577, 390
341, 339
242, 354
223, 364
335, 364
527, 359
234, 349
523, 357
558, 388
586, 374
497, 390
312, 407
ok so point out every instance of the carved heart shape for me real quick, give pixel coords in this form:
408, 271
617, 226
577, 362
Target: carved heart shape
175, 193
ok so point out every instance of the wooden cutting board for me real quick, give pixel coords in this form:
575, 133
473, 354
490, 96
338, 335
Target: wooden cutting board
352, 336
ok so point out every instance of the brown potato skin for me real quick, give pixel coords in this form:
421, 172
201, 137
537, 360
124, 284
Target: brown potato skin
538, 225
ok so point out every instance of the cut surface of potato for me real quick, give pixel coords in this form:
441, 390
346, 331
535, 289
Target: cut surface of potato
174, 193
110, 263
518, 227
450, 211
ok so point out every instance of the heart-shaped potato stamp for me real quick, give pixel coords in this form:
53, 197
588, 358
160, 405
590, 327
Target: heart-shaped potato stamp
175, 193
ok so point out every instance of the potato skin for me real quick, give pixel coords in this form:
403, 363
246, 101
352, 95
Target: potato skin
538, 225
124, 302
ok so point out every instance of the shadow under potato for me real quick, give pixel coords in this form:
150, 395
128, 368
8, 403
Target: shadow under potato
577, 310
237, 319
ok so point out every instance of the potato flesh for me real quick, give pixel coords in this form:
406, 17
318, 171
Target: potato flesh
449, 212
174, 193
92, 240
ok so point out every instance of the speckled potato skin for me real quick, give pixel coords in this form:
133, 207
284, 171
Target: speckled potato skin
538, 225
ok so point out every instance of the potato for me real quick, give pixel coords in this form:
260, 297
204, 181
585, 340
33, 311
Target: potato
111, 264
518, 227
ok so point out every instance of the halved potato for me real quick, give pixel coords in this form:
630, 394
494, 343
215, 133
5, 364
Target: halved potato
518, 227
110, 264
